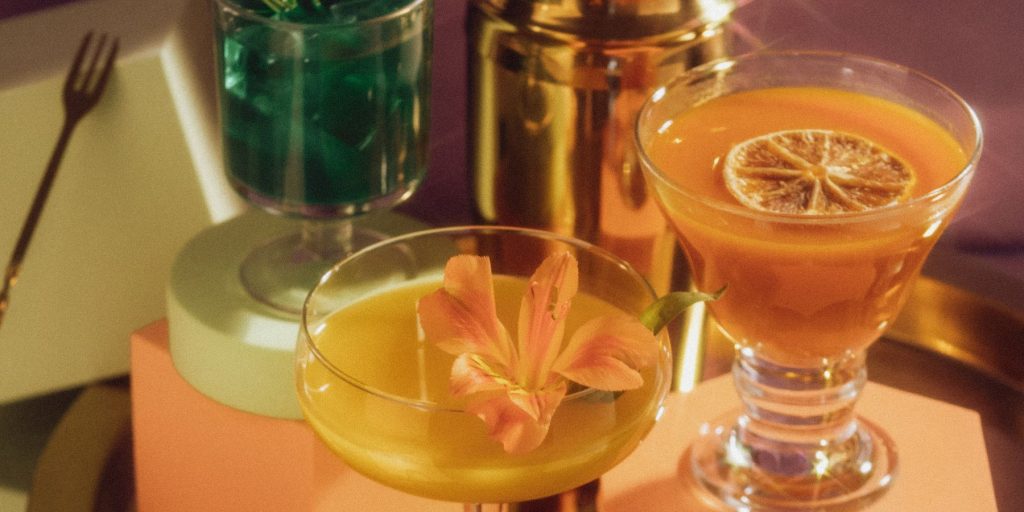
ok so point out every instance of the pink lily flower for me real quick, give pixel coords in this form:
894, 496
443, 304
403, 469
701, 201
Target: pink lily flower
516, 386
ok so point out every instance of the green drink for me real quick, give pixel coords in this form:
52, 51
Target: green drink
324, 109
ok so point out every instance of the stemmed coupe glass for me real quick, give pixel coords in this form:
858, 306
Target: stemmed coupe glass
379, 396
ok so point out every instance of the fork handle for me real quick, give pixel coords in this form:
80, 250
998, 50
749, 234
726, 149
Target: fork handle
28, 228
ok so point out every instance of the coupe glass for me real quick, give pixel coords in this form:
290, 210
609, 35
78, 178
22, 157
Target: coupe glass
324, 114
388, 412
807, 294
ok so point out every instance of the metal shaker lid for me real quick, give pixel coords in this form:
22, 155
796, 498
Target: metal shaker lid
611, 20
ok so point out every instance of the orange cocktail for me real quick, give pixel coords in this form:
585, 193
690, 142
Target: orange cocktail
811, 186
804, 291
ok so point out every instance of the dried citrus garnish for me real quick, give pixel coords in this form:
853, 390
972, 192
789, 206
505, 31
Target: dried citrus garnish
815, 172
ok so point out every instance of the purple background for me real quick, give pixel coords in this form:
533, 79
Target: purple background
977, 48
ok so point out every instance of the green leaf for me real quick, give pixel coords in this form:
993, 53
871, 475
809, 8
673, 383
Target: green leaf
667, 308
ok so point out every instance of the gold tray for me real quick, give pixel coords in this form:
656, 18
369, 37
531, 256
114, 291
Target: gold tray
948, 344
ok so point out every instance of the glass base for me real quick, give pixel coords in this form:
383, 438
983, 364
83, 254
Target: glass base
281, 272
749, 472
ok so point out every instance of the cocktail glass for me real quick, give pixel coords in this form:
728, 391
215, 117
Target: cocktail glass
384, 406
324, 113
806, 293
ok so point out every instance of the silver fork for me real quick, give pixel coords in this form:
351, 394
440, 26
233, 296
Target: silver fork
82, 90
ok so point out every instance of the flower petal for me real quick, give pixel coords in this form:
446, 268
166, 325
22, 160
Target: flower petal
461, 317
471, 374
517, 429
606, 352
542, 317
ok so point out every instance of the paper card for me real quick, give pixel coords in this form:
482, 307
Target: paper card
127, 196
194, 453
942, 457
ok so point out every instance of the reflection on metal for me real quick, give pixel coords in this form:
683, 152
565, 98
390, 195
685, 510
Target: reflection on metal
965, 327
554, 88
689, 352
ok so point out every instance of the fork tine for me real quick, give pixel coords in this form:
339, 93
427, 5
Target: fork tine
86, 79
76, 64
108, 66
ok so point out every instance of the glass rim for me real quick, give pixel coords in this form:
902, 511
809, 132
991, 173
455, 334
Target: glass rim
719, 65
248, 13
430, 405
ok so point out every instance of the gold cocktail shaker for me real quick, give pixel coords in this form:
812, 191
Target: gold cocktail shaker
554, 88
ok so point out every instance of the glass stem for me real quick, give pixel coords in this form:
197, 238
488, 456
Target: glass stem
797, 442
281, 272
485, 507
799, 421
328, 240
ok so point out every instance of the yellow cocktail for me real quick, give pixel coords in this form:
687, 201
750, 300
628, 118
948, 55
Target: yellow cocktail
813, 186
380, 396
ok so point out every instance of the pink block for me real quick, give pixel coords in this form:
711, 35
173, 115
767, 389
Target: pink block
195, 454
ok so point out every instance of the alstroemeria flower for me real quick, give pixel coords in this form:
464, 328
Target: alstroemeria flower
515, 386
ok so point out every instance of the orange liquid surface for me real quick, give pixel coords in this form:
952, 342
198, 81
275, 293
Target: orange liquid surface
802, 291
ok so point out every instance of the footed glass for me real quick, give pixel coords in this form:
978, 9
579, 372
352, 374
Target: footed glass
809, 289
324, 109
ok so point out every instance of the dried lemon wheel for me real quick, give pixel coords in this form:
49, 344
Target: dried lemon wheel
815, 172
